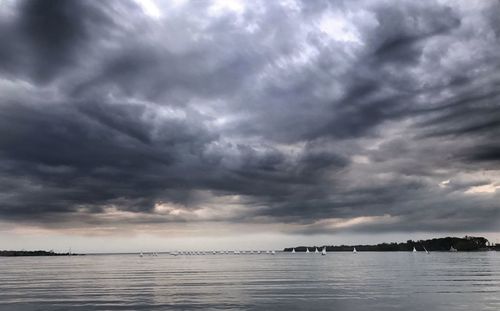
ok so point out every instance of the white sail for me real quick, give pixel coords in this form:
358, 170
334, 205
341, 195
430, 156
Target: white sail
414, 250
425, 249
141, 254
316, 250
307, 250
323, 252
293, 250
273, 252
355, 251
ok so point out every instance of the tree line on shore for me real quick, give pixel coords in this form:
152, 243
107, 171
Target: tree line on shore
468, 243
11, 253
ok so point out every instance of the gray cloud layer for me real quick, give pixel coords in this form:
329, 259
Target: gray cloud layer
309, 113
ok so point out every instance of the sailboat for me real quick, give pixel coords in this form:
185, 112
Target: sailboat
307, 250
273, 252
293, 250
323, 252
414, 249
452, 249
354, 251
425, 249
141, 255
316, 250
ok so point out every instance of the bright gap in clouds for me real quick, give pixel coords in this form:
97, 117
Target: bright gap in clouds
235, 6
149, 8
338, 28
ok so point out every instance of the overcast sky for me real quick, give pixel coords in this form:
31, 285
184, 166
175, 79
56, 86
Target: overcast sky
266, 123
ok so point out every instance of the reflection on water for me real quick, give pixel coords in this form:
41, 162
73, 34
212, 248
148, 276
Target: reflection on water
340, 281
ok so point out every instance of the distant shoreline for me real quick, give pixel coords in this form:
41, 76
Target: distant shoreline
34, 253
466, 244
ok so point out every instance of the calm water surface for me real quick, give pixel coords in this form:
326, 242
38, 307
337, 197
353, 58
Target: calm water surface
338, 281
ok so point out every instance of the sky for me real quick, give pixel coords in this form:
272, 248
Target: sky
215, 124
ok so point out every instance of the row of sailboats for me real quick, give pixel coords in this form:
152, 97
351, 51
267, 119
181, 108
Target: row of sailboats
154, 254
323, 252
236, 252
354, 251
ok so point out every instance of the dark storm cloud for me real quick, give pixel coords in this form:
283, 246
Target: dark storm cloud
402, 36
312, 113
45, 38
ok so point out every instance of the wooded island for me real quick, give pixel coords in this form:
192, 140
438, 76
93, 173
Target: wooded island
465, 244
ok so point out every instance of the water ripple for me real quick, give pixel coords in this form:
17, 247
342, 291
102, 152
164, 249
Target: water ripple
366, 281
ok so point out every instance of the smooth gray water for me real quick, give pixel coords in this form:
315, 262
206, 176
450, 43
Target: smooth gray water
337, 281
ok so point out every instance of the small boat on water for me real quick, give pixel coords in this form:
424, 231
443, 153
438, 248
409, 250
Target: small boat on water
307, 250
354, 251
323, 252
316, 250
425, 249
141, 255
453, 250
293, 250
414, 250
273, 252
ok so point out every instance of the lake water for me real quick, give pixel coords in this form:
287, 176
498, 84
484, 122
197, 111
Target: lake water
285, 281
